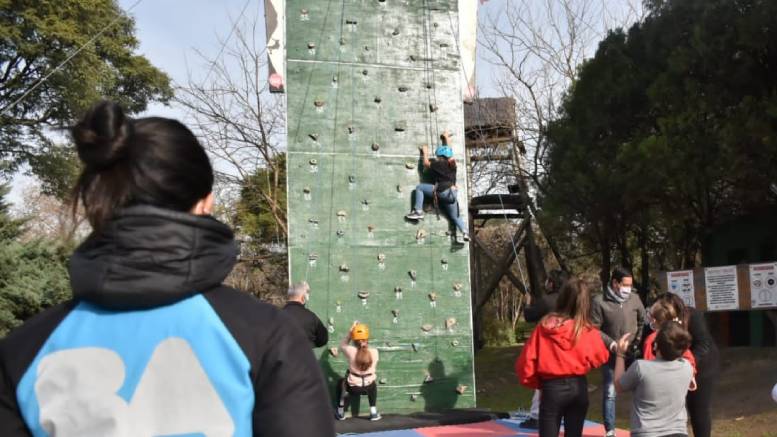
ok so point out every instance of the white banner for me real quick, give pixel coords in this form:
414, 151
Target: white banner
681, 284
722, 288
763, 285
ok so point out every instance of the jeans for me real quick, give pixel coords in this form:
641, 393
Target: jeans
565, 398
446, 200
608, 397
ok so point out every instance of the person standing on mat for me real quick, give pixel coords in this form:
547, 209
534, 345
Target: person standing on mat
659, 385
311, 325
616, 312
705, 351
443, 190
360, 378
534, 311
561, 350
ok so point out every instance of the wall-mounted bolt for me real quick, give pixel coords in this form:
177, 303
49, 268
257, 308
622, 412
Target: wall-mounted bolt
366, 49
399, 188
429, 85
365, 202
444, 261
397, 289
395, 32
350, 130
415, 346
344, 268
375, 147
400, 126
319, 103
350, 21
432, 107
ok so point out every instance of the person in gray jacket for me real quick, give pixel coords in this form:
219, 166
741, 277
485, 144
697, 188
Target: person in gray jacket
617, 312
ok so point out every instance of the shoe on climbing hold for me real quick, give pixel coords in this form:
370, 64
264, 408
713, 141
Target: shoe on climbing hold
363, 294
344, 268
460, 389
412, 274
462, 238
415, 215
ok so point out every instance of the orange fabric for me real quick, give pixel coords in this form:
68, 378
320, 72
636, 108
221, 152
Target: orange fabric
647, 351
551, 352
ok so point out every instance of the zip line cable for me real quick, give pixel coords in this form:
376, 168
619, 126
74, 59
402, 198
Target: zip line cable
118, 17
225, 42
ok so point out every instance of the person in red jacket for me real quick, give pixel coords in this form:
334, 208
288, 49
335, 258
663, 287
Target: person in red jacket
562, 349
663, 310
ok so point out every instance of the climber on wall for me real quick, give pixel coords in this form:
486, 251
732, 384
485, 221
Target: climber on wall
360, 377
443, 190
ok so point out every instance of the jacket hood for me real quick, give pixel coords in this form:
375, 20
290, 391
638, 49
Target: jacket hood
148, 256
558, 330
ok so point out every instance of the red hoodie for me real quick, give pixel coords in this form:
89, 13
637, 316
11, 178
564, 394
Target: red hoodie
647, 352
551, 352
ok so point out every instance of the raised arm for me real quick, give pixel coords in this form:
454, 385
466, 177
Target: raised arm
425, 155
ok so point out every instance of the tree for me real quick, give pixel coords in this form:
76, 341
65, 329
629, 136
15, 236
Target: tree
36, 36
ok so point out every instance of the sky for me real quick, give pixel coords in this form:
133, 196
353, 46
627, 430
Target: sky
172, 32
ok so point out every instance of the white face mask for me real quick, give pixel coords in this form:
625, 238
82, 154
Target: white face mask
625, 291
307, 297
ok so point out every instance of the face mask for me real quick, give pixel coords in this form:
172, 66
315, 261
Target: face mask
625, 291
307, 297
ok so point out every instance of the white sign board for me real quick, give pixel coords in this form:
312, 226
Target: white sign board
681, 284
763, 285
722, 288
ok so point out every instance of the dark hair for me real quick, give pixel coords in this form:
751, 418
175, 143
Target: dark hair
154, 161
678, 309
574, 302
672, 340
618, 273
558, 278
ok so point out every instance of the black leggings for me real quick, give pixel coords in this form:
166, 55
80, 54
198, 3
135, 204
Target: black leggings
698, 403
565, 398
370, 390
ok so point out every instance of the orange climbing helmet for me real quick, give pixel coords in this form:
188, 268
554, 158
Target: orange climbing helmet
360, 332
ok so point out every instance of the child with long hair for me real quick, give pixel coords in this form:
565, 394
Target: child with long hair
562, 349
360, 378
664, 310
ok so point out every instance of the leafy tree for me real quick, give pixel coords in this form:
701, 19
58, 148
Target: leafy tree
35, 37
33, 275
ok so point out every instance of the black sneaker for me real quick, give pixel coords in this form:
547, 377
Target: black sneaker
415, 215
339, 416
530, 423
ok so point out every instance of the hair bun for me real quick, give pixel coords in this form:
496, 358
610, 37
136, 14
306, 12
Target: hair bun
102, 135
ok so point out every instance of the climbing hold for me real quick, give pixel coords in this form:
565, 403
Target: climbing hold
382, 381
351, 179
403, 89
429, 85
365, 202
375, 147
311, 45
378, 100
313, 256
412, 58
432, 107
426, 327
350, 21
306, 190
381, 257
400, 126
313, 137
443, 44
460, 389
395, 32
350, 130
420, 234
342, 214
432, 296
399, 188
457, 286
444, 261
366, 49
450, 322
397, 289
428, 378
410, 165
340, 233
365, 72
415, 347
363, 294
370, 228
412, 274
413, 397
395, 313
344, 268
313, 162
333, 351
455, 343
313, 221
331, 321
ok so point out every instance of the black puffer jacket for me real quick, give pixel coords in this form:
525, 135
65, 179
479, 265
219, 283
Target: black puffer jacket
153, 344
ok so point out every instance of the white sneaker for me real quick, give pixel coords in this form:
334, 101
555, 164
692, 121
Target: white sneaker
610, 433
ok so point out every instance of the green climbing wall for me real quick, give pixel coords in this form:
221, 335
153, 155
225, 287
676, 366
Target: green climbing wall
368, 82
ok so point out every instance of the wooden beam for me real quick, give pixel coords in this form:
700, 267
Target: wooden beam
517, 282
505, 264
488, 141
489, 158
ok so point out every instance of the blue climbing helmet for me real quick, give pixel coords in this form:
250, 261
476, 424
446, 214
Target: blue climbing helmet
444, 150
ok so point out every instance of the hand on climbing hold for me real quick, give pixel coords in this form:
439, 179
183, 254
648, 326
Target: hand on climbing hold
424, 149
